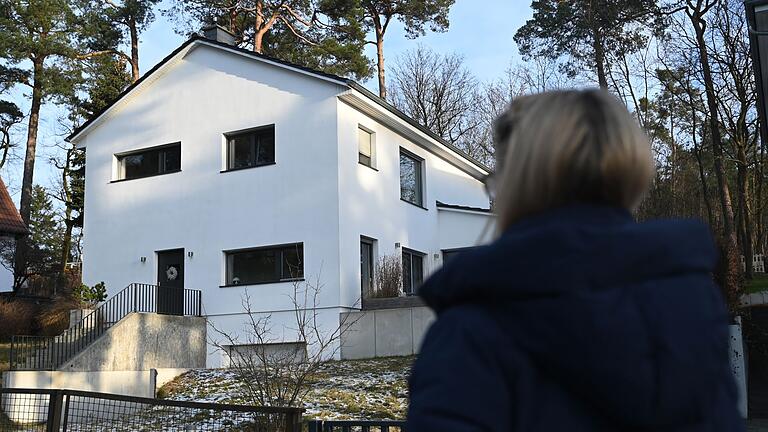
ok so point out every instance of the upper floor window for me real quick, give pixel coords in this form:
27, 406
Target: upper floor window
413, 271
365, 147
251, 148
265, 264
411, 186
149, 162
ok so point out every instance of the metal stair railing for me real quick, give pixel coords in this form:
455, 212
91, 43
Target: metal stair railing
49, 353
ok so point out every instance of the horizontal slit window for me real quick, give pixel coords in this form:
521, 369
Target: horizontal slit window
265, 264
150, 162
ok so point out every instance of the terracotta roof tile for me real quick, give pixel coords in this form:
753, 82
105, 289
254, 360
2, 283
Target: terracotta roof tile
10, 219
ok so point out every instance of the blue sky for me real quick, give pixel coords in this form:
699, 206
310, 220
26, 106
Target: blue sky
480, 30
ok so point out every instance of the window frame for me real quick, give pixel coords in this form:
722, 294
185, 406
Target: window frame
457, 250
280, 248
228, 147
120, 157
413, 253
372, 243
420, 181
372, 158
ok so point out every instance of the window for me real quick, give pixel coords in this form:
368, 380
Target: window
413, 271
253, 148
366, 265
264, 265
149, 162
410, 179
365, 147
451, 254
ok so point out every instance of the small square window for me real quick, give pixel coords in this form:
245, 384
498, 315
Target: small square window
365, 147
252, 148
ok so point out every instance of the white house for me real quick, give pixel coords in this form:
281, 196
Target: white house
224, 170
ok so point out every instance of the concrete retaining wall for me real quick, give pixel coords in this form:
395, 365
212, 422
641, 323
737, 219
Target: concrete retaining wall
131, 383
143, 341
384, 332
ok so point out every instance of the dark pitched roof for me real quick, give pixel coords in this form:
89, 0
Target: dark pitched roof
461, 207
341, 80
10, 219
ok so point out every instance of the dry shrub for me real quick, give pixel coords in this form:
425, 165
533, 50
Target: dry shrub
389, 277
54, 318
16, 318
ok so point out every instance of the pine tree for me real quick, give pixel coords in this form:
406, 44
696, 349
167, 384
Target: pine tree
588, 32
36, 43
327, 35
415, 15
108, 25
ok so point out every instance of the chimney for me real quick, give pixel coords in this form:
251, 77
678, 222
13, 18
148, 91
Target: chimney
218, 33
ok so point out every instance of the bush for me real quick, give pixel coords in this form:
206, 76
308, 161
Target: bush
17, 318
389, 277
90, 297
54, 318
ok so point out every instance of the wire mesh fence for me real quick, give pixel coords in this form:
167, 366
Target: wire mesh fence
24, 410
356, 426
69, 410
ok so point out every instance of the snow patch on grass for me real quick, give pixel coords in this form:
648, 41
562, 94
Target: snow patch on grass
351, 389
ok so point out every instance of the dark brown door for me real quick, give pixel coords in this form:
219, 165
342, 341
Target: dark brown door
170, 281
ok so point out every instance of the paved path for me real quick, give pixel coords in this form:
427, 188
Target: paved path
757, 425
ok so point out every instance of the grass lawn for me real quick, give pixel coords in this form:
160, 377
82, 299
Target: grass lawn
758, 283
359, 389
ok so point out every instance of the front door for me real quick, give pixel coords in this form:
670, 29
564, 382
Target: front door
170, 281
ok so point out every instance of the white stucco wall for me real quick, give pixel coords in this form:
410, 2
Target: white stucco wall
370, 204
316, 193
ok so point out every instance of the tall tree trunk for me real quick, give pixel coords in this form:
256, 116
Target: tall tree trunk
20, 270
134, 48
66, 243
717, 150
258, 35
597, 45
380, 64
744, 210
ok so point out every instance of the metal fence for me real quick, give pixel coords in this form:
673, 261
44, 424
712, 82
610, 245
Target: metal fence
49, 353
70, 410
356, 426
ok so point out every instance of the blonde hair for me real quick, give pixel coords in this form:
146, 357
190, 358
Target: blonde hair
567, 147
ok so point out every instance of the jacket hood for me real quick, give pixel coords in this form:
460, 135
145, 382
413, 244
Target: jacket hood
622, 315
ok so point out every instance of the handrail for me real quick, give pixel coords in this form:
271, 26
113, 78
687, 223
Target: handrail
49, 353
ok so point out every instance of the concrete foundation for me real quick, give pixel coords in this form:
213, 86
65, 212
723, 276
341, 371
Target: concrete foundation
143, 341
384, 332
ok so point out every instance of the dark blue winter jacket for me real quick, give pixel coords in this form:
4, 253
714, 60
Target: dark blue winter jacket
579, 319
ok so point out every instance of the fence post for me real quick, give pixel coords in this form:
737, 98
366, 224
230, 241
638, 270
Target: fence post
54, 411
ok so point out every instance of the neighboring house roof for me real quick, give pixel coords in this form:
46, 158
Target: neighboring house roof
346, 82
442, 205
10, 219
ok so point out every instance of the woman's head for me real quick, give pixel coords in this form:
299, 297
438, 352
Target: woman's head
568, 147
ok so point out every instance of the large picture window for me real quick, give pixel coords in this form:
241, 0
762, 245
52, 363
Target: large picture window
411, 186
413, 271
252, 148
265, 264
150, 162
